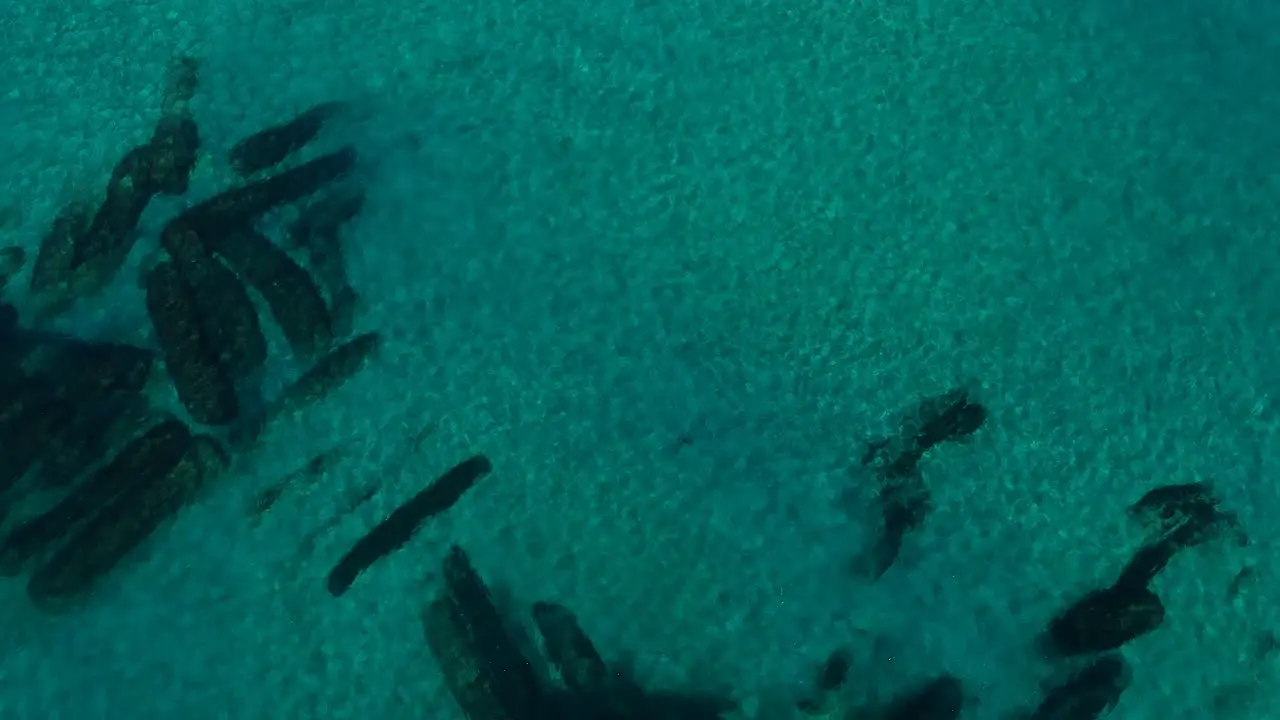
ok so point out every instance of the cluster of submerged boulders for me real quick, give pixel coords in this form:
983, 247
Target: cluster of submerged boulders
491, 676
93, 467
1090, 631
1097, 625
91, 464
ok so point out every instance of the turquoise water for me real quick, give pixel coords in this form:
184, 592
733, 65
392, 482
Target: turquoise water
764, 227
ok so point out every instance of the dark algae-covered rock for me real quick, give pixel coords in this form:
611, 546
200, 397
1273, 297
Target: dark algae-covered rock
173, 151
314, 468
123, 524
12, 352
1189, 510
149, 456
182, 77
491, 676
1088, 694
570, 650
464, 670
320, 222
86, 474
163, 165
203, 385
834, 672
101, 250
86, 247
405, 521
90, 436
1168, 506
949, 417
832, 676
1179, 517
507, 672
31, 411
941, 698
9, 326
228, 318
87, 372
270, 147
243, 205
22, 449
329, 373
55, 415
595, 690
12, 260
904, 504
903, 499
52, 284
175, 144
291, 295
483, 666
1106, 619
21, 396
317, 234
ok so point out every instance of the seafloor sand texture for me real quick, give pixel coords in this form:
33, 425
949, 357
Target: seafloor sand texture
595, 232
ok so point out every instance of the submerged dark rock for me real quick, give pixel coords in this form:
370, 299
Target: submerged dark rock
204, 386
904, 500
291, 295
228, 318
122, 525
270, 147
1189, 510
1087, 694
941, 698
404, 522
1106, 619
574, 656
150, 456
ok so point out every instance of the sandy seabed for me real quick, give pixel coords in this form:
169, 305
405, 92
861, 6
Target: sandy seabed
670, 266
